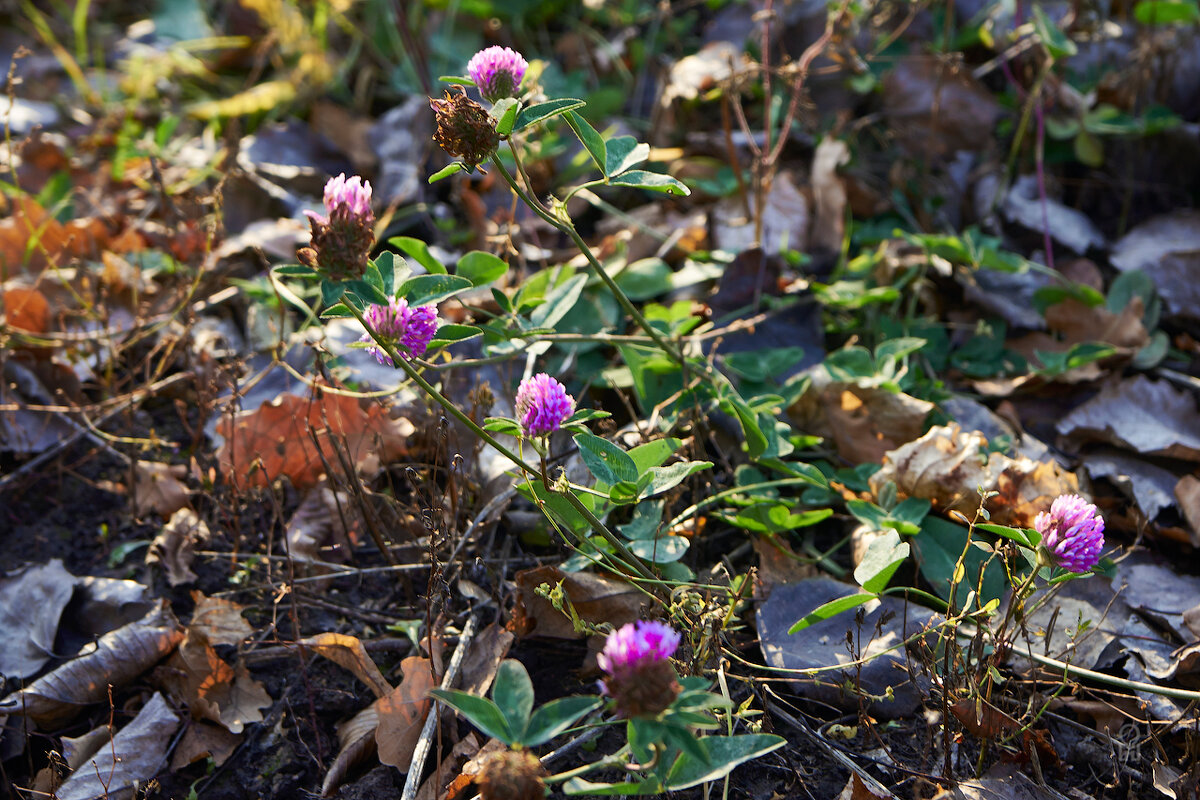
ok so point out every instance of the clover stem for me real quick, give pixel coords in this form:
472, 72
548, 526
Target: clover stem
628, 558
566, 226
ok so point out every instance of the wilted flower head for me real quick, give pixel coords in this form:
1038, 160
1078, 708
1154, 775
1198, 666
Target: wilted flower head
497, 71
511, 775
408, 329
637, 664
342, 240
464, 129
1072, 533
542, 405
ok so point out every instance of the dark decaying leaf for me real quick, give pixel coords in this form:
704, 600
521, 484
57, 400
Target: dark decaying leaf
486, 652
175, 546
117, 658
823, 644
31, 601
1119, 415
356, 741
137, 753
205, 740
1167, 248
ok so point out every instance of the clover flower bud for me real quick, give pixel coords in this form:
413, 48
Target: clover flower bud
408, 329
511, 775
542, 405
342, 240
464, 129
637, 664
1072, 533
497, 71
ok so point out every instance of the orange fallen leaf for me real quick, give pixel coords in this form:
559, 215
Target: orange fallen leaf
276, 440
402, 713
26, 310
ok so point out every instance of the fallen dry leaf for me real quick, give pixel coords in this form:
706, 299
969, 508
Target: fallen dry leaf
487, 650
450, 770
317, 529
157, 488
138, 752
945, 466
210, 687
980, 718
864, 422
356, 741
175, 546
1027, 206
1118, 415
117, 658
936, 107
77, 750
275, 440
595, 598
402, 713
785, 222
1187, 492
1167, 248
829, 195
32, 600
30, 236
702, 70
25, 309
205, 740
220, 620
855, 789
348, 652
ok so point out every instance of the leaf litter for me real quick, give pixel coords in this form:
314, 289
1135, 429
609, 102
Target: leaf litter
279, 490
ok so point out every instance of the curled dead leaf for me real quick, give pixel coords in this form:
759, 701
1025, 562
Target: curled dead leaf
948, 467
356, 740
175, 546
117, 658
137, 753
220, 620
158, 488
348, 652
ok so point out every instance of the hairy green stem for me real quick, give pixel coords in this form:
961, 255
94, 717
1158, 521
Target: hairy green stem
567, 227
629, 559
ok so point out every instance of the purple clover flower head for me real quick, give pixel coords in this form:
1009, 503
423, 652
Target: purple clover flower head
409, 329
341, 240
542, 405
419, 330
352, 194
636, 661
497, 71
1072, 533
349, 198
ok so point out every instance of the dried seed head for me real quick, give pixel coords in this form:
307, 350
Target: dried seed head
464, 129
511, 775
